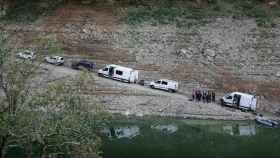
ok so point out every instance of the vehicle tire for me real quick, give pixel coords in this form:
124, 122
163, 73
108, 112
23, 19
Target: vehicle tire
79, 67
100, 75
222, 102
170, 90
153, 87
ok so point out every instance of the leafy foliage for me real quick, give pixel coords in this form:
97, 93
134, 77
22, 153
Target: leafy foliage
31, 10
56, 121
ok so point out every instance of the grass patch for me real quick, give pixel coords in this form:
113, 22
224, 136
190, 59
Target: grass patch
180, 13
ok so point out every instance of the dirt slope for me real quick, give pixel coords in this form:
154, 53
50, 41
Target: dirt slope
225, 54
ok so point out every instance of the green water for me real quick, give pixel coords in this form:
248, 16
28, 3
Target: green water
165, 138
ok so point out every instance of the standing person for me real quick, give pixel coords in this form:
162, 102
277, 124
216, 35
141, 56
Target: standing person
193, 95
208, 97
204, 96
198, 95
213, 97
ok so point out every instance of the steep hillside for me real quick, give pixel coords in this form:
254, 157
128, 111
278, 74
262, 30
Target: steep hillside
225, 53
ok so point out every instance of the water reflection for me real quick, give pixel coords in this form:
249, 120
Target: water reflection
189, 138
167, 129
231, 128
121, 132
240, 129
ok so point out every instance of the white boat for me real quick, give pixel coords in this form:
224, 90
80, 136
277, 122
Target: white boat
265, 121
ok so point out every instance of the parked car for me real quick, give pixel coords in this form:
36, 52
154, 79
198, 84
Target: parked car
164, 84
56, 60
84, 64
26, 54
240, 100
121, 73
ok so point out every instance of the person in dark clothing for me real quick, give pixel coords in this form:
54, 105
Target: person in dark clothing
208, 97
198, 95
193, 95
213, 97
204, 96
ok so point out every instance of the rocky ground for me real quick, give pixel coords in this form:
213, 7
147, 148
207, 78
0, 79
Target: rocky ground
136, 100
224, 54
133, 99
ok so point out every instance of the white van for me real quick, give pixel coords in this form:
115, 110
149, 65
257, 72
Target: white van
119, 73
164, 84
240, 100
26, 54
56, 60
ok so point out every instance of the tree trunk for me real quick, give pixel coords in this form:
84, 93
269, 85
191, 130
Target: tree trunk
2, 146
3, 7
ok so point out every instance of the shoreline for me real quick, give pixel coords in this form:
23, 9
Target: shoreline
190, 116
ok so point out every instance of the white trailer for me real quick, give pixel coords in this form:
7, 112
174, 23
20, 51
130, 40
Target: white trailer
240, 100
120, 73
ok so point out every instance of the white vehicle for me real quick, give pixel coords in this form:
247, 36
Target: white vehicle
119, 73
164, 84
26, 54
57, 60
241, 101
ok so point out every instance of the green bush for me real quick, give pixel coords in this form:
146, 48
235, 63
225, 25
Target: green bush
29, 11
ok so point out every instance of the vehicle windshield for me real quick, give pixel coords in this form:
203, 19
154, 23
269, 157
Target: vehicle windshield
228, 96
27, 53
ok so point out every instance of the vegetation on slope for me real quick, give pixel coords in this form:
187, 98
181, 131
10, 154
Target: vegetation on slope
163, 11
53, 121
180, 12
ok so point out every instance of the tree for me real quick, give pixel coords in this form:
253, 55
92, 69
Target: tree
52, 121
3, 7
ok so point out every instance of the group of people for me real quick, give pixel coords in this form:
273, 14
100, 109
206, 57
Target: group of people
205, 96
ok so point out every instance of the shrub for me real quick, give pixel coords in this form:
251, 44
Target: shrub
29, 11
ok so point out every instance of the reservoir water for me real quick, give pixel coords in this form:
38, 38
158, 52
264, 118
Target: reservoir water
179, 138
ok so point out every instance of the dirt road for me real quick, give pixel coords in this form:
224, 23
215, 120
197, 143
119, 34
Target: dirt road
133, 99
